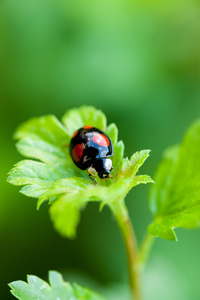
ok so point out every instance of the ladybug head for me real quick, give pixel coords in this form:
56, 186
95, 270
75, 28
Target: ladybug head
103, 166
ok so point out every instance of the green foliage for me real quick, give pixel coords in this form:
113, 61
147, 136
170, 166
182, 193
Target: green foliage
56, 178
175, 198
36, 288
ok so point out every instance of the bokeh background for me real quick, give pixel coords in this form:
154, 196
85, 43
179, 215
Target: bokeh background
138, 61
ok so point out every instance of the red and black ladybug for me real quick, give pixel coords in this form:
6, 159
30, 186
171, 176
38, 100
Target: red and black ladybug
90, 148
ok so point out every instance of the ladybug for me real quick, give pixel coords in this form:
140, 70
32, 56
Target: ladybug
90, 148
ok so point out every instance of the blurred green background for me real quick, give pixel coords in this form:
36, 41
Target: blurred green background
138, 61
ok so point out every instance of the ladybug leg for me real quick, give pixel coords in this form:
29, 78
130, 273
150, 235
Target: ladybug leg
93, 178
110, 176
92, 172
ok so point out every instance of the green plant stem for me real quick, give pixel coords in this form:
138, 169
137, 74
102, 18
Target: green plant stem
145, 250
121, 214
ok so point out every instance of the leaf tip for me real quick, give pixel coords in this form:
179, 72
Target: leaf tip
40, 202
157, 229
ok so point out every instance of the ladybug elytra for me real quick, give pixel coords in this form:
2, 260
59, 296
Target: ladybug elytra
90, 148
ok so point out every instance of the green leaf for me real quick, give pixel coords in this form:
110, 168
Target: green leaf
141, 179
131, 167
175, 198
63, 186
85, 115
36, 289
55, 178
43, 138
65, 212
36, 176
138, 158
118, 147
